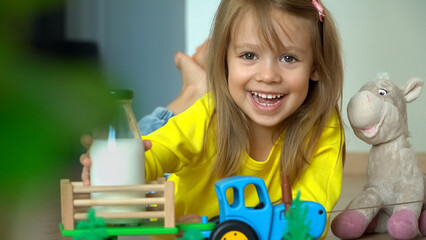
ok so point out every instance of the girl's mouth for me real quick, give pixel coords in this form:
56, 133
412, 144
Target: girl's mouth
267, 100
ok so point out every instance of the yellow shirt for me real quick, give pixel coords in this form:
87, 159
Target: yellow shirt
178, 147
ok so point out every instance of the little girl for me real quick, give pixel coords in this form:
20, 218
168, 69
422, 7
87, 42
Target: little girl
275, 73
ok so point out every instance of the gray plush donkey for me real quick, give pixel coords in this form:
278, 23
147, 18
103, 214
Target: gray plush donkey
378, 116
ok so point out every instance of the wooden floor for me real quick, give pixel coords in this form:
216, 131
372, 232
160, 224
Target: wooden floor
42, 218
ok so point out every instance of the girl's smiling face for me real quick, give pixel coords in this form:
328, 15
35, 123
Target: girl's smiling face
269, 85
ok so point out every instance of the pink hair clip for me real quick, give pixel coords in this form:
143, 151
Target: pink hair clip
320, 9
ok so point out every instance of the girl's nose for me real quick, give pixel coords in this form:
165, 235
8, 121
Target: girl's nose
267, 72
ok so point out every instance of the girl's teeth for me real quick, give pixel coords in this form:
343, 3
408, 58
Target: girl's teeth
267, 96
265, 99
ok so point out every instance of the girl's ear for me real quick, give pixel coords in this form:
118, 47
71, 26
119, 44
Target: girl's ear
314, 74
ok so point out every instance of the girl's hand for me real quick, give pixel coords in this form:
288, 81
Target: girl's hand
86, 141
189, 218
85, 174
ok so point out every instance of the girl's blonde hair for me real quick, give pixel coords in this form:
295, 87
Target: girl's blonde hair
304, 127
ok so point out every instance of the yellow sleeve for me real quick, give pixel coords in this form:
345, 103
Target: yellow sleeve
180, 142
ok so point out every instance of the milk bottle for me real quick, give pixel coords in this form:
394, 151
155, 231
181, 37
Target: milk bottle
117, 156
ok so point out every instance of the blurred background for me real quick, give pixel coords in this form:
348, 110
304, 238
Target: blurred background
58, 58
138, 39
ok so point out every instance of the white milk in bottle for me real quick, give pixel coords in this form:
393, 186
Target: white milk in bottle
117, 156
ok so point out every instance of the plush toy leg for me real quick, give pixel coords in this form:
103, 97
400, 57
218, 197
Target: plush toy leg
403, 224
422, 223
349, 225
404, 221
353, 223
371, 228
379, 223
422, 219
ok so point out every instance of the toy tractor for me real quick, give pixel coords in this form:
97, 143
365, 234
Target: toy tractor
263, 221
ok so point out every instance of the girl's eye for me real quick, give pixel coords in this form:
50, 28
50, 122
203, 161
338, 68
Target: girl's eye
288, 58
382, 92
249, 56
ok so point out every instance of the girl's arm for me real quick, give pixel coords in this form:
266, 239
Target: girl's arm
180, 142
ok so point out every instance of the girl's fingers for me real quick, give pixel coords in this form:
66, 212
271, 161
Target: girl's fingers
86, 141
147, 144
189, 218
85, 160
85, 176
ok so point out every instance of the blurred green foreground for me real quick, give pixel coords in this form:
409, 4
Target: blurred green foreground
46, 104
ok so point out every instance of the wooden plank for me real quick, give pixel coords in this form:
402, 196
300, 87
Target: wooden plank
169, 205
67, 209
154, 214
77, 184
115, 202
118, 188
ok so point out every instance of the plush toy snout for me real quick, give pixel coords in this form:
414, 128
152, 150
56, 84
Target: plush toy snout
364, 110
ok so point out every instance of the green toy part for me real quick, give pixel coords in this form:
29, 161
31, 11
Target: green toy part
297, 225
94, 229
192, 234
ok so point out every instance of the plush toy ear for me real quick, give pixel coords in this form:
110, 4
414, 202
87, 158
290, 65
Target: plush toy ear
413, 89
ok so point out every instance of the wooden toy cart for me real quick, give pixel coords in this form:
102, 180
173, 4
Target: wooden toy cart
76, 201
